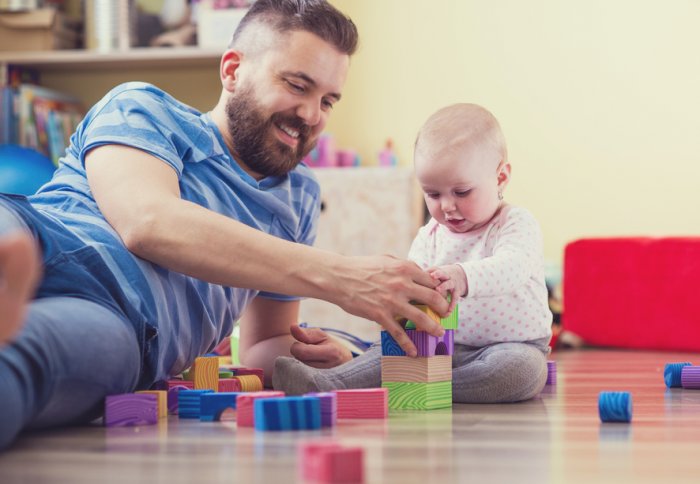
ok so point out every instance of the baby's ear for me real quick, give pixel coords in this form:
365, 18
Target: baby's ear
503, 173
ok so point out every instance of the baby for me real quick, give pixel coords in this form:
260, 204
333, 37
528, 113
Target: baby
485, 253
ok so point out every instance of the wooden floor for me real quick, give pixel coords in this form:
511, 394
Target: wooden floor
555, 438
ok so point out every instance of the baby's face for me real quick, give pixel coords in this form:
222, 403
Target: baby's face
460, 186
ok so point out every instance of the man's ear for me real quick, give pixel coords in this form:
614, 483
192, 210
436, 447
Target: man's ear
228, 69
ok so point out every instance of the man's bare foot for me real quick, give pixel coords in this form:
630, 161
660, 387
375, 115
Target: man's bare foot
19, 275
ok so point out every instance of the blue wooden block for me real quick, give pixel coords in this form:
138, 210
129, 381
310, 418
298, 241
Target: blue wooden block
189, 403
287, 413
390, 347
214, 404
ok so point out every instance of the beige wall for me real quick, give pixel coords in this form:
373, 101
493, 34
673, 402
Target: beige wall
599, 100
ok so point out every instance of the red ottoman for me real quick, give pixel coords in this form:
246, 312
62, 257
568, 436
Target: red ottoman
634, 292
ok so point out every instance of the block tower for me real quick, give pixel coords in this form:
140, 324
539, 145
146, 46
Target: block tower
424, 382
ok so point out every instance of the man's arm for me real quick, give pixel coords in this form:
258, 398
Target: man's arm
139, 196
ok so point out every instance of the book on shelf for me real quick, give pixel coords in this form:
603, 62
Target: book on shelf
39, 118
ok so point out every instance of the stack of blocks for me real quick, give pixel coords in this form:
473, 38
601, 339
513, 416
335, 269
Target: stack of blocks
424, 382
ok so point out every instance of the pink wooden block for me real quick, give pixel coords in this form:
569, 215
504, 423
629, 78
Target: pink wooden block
330, 462
189, 384
244, 406
229, 385
363, 403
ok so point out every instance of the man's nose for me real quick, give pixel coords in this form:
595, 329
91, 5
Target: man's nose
310, 112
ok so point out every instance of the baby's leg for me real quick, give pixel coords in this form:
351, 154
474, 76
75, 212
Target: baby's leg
499, 373
295, 378
19, 272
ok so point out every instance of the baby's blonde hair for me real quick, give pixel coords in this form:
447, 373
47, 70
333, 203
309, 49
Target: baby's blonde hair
459, 125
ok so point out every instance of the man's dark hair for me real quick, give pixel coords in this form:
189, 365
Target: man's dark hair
314, 16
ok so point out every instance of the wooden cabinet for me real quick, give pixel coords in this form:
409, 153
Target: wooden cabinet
367, 211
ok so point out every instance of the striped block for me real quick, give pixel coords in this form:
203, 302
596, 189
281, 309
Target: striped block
417, 370
131, 409
329, 407
206, 373
330, 462
244, 406
287, 413
419, 396
363, 403
230, 385
690, 376
212, 405
426, 344
450, 322
162, 397
189, 403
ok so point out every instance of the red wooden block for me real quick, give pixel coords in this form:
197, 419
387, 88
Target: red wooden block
363, 403
330, 462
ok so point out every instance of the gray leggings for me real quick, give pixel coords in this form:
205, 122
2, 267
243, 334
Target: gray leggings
498, 373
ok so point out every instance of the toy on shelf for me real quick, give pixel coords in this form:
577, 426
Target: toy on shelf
387, 157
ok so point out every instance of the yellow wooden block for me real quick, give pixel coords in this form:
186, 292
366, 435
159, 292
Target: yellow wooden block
206, 373
162, 397
416, 370
428, 310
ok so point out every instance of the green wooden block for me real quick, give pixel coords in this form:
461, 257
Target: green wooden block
450, 322
419, 396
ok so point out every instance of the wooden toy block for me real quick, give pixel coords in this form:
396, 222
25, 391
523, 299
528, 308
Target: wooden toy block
242, 371
450, 322
214, 404
249, 383
244, 406
329, 407
189, 403
131, 409
419, 396
173, 393
426, 344
390, 347
225, 374
363, 403
417, 370
230, 385
180, 383
330, 462
287, 413
162, 397
206, 373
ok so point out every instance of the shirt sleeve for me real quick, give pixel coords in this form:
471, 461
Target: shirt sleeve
420, 248
516, 253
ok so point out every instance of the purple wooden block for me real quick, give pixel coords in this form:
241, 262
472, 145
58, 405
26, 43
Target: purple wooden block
429, 345
131, 409
329, 407
690, 377
172, 398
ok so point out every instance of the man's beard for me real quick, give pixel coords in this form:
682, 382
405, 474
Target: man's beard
253, 142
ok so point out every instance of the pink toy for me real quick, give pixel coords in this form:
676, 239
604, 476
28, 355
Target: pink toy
330, 462
363, 403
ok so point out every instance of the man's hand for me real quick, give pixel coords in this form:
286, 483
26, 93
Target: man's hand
452, 280
315, 348
382, 288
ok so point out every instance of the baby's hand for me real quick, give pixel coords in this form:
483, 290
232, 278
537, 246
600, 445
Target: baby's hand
453, 280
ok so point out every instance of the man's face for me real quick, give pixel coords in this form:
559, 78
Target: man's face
282, 102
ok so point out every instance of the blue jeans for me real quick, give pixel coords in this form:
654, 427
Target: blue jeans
69, 355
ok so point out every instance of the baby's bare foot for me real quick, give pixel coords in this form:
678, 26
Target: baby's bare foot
19, 274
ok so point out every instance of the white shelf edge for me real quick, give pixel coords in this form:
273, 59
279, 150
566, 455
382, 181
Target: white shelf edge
136, 57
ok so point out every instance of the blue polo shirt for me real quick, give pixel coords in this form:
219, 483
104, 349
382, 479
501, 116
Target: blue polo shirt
180, 317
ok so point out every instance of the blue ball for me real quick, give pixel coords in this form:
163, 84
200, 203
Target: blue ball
23, 170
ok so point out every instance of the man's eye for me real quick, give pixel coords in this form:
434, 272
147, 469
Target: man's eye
327, 104
295, 87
